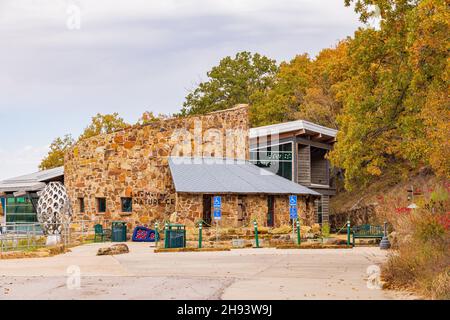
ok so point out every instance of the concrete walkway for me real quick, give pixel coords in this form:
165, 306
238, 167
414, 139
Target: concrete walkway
239, 274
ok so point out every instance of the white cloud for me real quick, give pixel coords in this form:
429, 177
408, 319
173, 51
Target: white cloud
135, 55
21, 161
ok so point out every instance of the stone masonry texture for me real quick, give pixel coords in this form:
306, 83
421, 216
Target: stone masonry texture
133, 163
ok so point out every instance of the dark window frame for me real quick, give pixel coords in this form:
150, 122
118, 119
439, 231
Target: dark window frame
99, 206
81, 205
123, 205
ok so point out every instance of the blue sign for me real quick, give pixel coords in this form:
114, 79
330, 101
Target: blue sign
293, 201
217, 214
293, 213
217, 202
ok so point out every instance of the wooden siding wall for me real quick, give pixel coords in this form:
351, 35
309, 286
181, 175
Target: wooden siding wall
304, 164
319, 171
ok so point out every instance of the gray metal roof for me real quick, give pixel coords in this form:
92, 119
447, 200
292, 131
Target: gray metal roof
291, 126
212, 175
30, 182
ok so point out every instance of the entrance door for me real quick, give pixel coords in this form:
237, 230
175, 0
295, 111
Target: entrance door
207, 212
242, 211
270, 211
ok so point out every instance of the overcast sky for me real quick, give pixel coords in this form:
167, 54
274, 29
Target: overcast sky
58, 68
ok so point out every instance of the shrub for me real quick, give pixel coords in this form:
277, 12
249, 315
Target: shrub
325, 230
422, 259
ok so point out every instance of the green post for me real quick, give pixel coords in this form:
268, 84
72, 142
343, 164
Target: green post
200, 228
298, 232
256, 234
348, 233
166, 235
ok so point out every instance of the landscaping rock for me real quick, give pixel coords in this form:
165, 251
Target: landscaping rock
113, 250
286, 237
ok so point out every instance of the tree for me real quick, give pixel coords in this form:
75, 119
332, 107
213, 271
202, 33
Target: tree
304, 89
102, 124
149, 117
282, 101
429, 60
321, 103
55, 157
232, 82
398, 74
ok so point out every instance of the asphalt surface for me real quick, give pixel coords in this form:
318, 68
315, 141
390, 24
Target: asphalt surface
240, 274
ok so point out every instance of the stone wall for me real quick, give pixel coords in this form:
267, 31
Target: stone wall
189, 208
134, 163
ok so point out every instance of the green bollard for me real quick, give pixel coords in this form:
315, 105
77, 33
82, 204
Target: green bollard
166, 235
256, 234
298, 232
348, 233
200, 228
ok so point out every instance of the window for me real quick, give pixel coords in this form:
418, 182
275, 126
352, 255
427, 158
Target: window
319, 211
207, 209
19, 210
81, 203
127, 204
270, 211
101, 205
276, 158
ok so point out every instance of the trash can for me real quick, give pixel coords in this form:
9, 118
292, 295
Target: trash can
175, 236
119, 231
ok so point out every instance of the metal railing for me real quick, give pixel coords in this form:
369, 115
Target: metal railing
30, 236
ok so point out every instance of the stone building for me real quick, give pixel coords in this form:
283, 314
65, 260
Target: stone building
171, 169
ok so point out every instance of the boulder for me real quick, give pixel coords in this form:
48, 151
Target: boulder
113, 250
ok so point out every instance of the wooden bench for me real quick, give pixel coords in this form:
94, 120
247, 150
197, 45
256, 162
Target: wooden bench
367, 231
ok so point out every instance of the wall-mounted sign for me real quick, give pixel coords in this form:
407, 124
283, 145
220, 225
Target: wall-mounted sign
146, 198
271, 155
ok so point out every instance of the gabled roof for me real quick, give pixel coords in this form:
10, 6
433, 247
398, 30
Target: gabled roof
31, 182
292, 126
213, 175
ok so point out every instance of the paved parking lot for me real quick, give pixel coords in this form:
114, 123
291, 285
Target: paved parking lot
239, 274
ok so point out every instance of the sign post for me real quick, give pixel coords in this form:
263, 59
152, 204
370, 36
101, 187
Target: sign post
217, 213
293, 212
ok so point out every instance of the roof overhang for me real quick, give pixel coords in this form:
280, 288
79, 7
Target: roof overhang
32, 182
296, 128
